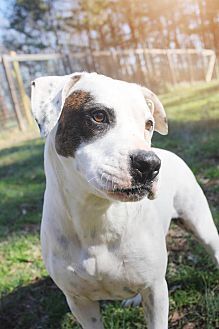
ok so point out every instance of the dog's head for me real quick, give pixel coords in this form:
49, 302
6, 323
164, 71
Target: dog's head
104, 126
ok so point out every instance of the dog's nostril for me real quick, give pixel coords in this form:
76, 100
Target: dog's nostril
142, 160
139, 163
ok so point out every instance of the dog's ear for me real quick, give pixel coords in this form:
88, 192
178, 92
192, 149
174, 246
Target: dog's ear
47, 99
157, 110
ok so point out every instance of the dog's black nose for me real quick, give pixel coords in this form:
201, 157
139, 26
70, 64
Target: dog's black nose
144, 166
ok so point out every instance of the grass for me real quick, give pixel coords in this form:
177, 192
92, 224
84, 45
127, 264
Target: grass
29, 299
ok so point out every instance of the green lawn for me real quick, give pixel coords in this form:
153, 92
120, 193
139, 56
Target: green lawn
29, 299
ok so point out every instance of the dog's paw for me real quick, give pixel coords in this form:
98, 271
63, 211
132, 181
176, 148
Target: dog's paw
132, 302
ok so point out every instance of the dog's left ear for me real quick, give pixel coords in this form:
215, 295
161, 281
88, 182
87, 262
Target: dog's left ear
47, 99
157, 110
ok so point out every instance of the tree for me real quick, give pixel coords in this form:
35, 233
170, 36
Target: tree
78, 25
30, 24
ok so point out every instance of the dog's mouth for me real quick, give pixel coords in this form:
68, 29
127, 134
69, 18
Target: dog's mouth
135, 193
114, 188
135, 190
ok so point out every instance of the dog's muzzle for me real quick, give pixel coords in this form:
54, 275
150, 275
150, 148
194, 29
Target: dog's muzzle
144, 169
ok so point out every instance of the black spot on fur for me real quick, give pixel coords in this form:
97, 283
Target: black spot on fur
63, 241
76, 124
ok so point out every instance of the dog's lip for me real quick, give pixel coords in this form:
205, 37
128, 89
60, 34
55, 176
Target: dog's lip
137, 190
126, 192
134, 189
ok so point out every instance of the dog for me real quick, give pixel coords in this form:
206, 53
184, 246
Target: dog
110, 196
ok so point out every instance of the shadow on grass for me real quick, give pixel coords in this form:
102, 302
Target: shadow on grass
41, 305
38, 305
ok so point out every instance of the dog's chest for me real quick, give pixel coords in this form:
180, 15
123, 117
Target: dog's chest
103, 272
114, 263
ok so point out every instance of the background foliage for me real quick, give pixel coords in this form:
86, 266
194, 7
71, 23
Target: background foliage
103, 24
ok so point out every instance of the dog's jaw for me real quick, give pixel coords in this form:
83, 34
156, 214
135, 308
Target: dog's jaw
133, 194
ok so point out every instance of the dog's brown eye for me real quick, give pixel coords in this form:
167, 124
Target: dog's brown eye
99, 116
149, 125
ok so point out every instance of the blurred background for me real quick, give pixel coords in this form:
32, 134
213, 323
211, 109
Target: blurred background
171, 47
159, 43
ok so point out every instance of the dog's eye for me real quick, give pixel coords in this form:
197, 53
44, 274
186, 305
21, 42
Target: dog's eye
149, 125
99, 116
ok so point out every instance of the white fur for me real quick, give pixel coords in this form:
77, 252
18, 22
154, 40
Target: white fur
97, 247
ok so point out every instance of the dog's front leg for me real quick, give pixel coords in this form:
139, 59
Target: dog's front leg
156, 304
87, 312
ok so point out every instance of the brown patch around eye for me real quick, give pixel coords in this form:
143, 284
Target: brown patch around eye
75, 101
68, 135
76, 125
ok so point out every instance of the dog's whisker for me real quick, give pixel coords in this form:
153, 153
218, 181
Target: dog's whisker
113, 187
101, 178
107, 180
95, 177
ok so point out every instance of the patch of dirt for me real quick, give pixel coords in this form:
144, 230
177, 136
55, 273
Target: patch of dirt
177, 239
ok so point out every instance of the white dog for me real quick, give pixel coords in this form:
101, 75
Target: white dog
109, 196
